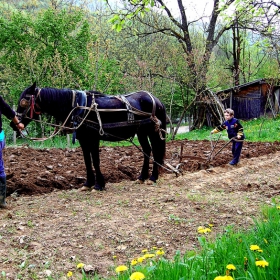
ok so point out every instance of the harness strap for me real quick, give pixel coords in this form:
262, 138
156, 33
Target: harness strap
73, 98
154, 103
130, 115
94, 106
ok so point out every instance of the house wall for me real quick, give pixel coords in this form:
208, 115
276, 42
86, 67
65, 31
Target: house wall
251, 101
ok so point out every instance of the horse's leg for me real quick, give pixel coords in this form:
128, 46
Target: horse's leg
158, 150
86, 152
100, 182
143, 140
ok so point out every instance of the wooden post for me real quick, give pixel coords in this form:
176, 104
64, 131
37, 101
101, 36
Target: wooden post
14, 133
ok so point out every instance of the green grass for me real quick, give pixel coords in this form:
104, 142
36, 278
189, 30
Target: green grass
258, 130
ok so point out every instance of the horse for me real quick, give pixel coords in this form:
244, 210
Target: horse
92, 116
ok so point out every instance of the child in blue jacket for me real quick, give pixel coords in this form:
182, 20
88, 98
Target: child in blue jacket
235, 131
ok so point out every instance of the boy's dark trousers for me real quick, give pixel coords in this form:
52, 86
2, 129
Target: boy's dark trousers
3, 190
236, 151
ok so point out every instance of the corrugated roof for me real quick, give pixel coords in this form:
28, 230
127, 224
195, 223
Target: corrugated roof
260, 81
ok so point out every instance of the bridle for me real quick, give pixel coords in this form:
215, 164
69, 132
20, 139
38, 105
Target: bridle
30, 105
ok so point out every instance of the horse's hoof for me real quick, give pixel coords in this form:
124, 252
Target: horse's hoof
139, 181
97, 189
84, 189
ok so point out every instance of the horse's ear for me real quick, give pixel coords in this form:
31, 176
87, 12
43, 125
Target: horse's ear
32, 88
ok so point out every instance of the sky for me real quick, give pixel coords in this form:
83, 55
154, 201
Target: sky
194, 8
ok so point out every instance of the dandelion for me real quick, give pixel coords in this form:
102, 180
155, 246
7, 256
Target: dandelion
231, 267
141, 259
137, 276
260, 250
278, 207
80, 265
147, 256
114, 257
210, 225
121, 268
160, 252
226, 277
254, 247
134, 262
155, 248
262, 263
144, 251
203, 230
200, 228
69, 274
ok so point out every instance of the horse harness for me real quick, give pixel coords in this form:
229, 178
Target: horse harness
131, 112
78, 120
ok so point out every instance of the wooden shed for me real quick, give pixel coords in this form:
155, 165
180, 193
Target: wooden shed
253, 99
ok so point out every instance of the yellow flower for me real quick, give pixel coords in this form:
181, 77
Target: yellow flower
231, 267
219, 278
155, 248
203, 230
134, 262
226, 277
260, 250
144, 251
146, 256
137, 276
254, 247
262, 263
141, 259
114, 257
69, 274
278, 207
200, 228
80, 265
160, 252
121, 268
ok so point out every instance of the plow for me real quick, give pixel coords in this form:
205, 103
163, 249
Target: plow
178, 159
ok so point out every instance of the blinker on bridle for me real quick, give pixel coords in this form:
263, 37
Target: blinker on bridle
29, 105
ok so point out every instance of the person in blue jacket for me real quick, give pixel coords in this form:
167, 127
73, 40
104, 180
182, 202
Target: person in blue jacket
235, 132
8, 112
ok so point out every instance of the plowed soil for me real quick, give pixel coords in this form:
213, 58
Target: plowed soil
50, 225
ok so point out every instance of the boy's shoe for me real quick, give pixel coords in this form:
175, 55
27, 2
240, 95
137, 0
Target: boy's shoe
233, 163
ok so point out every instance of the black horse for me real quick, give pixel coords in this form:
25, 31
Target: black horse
92, 117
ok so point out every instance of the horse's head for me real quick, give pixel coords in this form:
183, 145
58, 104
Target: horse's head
27, 109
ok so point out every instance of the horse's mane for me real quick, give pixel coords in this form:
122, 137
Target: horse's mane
56, 102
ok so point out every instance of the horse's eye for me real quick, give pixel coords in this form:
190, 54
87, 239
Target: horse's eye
24, 103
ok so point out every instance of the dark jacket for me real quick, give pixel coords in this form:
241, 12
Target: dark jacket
6, 110
233, 127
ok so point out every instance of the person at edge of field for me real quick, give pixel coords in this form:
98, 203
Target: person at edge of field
8, 112
235, 131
